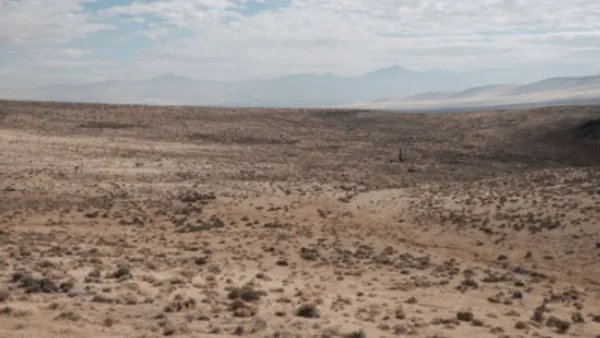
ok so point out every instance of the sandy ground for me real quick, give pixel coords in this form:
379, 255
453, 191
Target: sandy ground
125, 221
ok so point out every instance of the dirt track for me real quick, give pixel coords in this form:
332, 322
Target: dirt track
125, 221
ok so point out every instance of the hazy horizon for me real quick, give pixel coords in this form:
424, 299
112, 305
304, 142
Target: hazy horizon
86, 41
498, 76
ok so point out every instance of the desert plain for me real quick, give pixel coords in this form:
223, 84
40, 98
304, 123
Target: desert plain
140, 221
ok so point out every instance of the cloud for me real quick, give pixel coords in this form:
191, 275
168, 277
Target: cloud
352, 36
46, 21
232, 39
156, 33
68, 53
184, 14
27, 77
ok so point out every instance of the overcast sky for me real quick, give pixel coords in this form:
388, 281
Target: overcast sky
76, 41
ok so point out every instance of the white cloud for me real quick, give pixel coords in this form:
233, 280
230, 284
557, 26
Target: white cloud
68, 53
352, 36
341, 36
27, 77
45, 21
179, 13
156, 33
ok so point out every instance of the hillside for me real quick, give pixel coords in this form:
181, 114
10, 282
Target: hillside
152, 221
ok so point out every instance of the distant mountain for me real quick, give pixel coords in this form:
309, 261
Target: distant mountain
418, 89
554, 91
300, 90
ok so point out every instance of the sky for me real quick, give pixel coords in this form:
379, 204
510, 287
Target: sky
82, 41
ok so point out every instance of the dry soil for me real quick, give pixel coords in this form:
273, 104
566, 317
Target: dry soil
132, 221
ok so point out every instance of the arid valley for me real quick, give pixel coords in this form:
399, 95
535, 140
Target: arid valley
140, 221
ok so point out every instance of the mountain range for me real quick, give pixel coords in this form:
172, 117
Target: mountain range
583, 90
393, 87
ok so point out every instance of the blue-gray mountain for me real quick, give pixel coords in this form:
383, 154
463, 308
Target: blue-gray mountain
385, 88
550, 92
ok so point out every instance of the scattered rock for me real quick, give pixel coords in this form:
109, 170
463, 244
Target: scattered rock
242, 309
4, 295
561, 325
35, 285
399, 313
465, 316
309, 254
521, 325
122, 273
68, 315
356, 334
577, 317
169, 328
246, 293
308, 311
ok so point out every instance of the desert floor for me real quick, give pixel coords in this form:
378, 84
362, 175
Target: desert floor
131, 221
